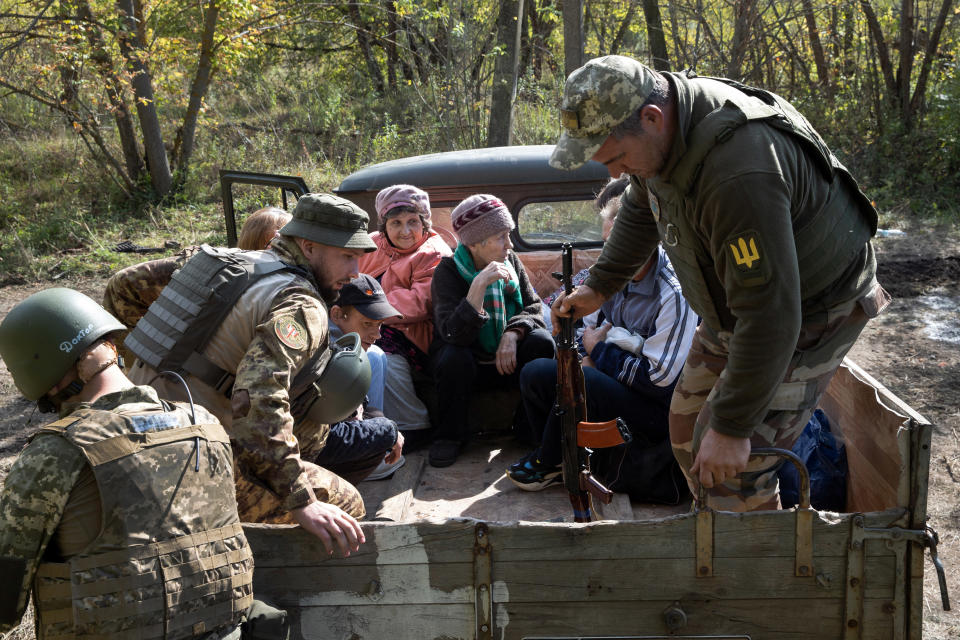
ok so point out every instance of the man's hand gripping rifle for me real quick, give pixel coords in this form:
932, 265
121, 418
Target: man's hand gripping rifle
570, 408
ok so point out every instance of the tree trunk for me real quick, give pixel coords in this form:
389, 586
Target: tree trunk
823, 71
133, 49
198, 90
624, 28
505, 73
572, 35
883, 53
743, 11
905, 72
363, 39
849, 30
658, 43
393, 31
920, 91
129, 145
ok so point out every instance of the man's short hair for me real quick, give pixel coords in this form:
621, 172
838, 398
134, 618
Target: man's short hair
658, 97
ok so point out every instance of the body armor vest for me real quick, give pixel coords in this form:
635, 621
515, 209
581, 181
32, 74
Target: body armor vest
171, 560
812, 231
177, 327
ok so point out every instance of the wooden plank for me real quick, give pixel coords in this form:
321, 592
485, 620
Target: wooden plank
764, 620
870, 433
387, 500
402, 622
611, 580
749, 535
599, 582
618, 509
783, 620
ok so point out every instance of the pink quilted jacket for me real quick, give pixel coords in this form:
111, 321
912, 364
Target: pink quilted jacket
407, 274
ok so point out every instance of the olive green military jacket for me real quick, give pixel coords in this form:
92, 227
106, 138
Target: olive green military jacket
764, 234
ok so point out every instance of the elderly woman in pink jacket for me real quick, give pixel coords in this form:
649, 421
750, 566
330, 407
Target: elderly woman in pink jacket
408, 251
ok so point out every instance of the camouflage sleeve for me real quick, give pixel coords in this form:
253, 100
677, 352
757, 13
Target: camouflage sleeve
34, 495
132, 290
262, 431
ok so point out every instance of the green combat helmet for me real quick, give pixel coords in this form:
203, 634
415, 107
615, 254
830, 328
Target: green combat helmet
330, 387
44, 335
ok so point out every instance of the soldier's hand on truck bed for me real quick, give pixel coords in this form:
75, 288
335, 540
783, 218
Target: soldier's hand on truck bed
720, 458
336, 528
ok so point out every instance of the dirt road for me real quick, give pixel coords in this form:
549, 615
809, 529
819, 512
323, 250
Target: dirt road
914, 349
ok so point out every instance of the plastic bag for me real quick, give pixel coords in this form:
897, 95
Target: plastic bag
826, 460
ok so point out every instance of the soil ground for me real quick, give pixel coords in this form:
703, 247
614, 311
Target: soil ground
913, 349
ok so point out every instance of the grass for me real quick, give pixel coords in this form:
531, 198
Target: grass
61, 215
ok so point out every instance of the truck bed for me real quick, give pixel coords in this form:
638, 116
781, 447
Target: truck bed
461, 553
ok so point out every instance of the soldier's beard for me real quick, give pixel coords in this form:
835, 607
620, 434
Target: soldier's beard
329, 294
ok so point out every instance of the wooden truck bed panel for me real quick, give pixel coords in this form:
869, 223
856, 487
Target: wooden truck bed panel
464, 554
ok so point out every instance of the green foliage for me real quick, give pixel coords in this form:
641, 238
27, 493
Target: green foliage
293, 92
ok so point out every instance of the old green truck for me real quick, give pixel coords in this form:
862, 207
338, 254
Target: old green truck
461, 553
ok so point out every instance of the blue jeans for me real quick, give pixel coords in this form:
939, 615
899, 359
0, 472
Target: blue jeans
644, 468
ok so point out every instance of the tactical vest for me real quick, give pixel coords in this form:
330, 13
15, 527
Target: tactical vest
179, 324
171, 560
675, 199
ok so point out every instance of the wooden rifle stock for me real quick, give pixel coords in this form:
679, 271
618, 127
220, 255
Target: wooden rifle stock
570, 409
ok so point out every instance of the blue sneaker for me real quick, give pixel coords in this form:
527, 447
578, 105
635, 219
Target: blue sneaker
532, 475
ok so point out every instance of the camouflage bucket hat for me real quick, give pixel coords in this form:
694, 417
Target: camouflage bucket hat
330, 220
596, 98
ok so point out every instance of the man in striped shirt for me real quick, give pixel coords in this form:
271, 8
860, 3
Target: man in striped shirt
632, 360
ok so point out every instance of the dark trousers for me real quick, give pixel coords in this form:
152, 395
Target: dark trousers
458, 374
354, 448
645, 468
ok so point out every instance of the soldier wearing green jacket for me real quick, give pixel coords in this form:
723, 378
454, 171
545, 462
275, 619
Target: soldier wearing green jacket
770, 238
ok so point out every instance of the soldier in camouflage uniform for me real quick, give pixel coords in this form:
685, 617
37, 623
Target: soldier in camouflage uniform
770, 238
120, 486
275, 328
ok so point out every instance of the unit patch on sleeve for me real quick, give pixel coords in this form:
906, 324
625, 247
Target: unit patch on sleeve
290, 332
747, 257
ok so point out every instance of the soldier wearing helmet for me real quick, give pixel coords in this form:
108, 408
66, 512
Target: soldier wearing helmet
248, 330
121, 485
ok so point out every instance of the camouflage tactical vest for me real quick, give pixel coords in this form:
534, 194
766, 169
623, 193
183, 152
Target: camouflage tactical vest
177, 327
676, 217
170, 560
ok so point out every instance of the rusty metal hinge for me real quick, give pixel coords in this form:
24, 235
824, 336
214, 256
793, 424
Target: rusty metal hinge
483, 597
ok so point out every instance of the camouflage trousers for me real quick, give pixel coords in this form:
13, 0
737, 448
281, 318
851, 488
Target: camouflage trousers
256, 503
821, 347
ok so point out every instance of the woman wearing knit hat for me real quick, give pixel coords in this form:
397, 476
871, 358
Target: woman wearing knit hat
408, 251
487, 319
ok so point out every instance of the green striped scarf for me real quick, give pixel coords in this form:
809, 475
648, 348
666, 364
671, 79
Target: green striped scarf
501, 300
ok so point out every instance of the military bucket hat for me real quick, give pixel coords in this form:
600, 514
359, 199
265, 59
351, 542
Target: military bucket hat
596, 98
330, 220
44, 335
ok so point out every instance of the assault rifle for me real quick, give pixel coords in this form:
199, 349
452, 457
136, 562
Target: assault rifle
570, 408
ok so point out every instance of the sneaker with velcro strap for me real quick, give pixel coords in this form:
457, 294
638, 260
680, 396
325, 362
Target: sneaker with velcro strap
533, 475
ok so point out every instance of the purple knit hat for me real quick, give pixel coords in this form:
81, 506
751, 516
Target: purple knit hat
479, 217
402, 195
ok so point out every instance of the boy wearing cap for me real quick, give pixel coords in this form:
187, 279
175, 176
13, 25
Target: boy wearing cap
274, 329
361, 308
770, 238
487, 319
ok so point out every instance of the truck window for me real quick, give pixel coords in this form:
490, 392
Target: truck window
542, 224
